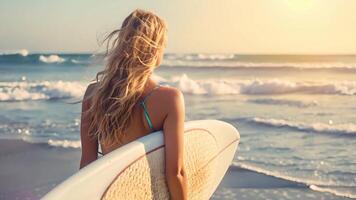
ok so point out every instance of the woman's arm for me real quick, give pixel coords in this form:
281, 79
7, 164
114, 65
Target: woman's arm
89, 144
173, 129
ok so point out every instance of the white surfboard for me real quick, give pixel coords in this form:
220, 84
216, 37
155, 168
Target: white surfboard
137, 169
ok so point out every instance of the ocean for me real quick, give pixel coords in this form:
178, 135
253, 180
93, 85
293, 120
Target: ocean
296, 114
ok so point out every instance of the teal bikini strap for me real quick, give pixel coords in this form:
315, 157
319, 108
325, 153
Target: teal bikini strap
147, 116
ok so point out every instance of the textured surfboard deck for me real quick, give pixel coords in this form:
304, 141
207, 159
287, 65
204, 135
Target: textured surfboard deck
137, 170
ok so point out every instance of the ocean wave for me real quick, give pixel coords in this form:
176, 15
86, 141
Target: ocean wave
51, 59
281, 176
23, 91
65, 143
333, 191
80, 62
241, 61
330, 128
266, 87
288, 102
61, 143
187, 60
321, 186
21, 52
198, 57
226, 63
190, 86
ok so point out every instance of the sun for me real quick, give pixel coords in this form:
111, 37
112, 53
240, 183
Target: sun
300, 4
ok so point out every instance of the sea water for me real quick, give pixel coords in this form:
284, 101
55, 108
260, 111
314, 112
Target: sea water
296, 114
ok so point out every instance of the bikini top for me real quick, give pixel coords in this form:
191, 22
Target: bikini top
143, 105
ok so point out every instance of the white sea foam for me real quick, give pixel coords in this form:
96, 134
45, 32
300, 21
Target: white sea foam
272, 86
281, 176
22, 91
214, 56
22, 52
288, 102
190, 86
320, 186
51, 59
333, 191
79, 62
76, 61
65, 143
318, 127
197, 57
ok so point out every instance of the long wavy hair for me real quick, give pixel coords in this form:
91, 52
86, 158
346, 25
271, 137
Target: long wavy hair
132, 53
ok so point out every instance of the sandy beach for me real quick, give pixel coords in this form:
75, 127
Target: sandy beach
28, 171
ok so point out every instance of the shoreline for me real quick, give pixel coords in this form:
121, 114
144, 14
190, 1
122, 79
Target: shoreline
30, 170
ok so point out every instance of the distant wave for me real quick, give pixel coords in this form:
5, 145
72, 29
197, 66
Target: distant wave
241, 61
312, 184
75, 144
198, 57
345, 129
51, 59
65, 143
22, 91
265, 65
187, 60
22, 52
266, 87
235, 61
80, 62
40, 59
288, 102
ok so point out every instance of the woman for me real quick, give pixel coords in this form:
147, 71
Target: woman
125, 103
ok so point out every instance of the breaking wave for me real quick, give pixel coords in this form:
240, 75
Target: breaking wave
318, 127
198, 57
51, 59
22, 52
22, 91
25, 90
266, 87
65, 143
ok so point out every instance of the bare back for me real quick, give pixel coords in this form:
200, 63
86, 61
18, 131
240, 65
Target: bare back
157, 105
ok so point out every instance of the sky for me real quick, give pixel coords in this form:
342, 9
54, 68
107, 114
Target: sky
194, 26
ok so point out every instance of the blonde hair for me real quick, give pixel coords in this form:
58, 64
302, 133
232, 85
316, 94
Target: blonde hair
132, 54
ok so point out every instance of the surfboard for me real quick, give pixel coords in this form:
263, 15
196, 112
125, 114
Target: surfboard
137, 169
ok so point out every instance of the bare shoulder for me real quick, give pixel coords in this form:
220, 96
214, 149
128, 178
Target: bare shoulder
171, 101
171, 95
90, 88
89, 92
